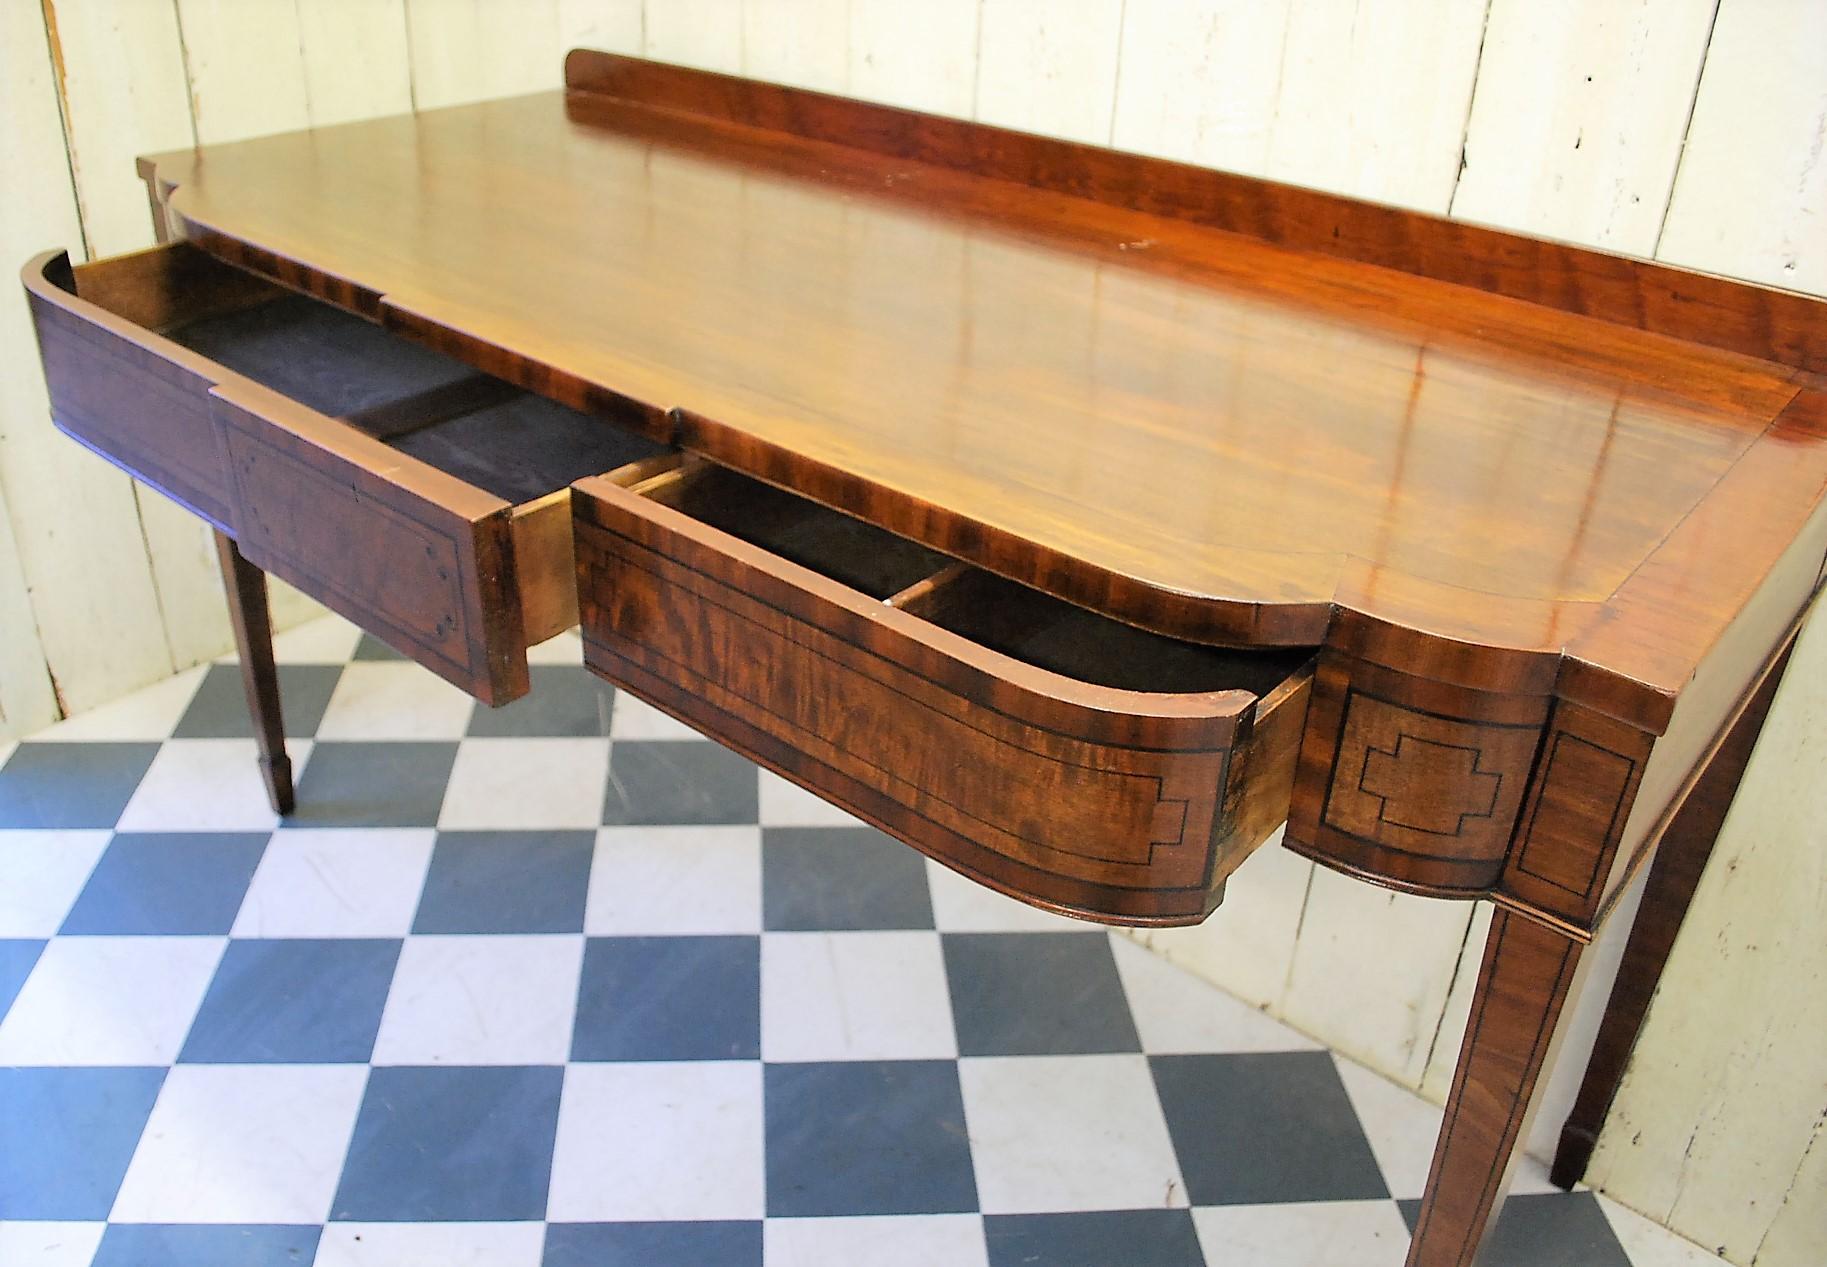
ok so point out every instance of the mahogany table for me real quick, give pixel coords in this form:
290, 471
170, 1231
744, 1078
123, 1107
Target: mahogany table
1072, 516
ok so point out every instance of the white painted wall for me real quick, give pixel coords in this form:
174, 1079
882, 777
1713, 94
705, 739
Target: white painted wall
1691, 130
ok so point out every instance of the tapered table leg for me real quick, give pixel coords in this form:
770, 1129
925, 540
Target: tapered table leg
245, 585
1527, 974
1674, 876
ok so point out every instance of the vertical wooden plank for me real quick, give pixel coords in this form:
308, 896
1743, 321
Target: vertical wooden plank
702, 33
124, 94
1247, 946
805, 43
614, 26
1712, 1128
471, 50
74, 526
1578, 116
356, 64
922, 57
1050, 66
1751, 195
1372, 972
245, 60
1199, 82
26, 699
1716, 1130
1373, 102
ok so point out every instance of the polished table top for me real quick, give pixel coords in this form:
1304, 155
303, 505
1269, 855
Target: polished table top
1189, 428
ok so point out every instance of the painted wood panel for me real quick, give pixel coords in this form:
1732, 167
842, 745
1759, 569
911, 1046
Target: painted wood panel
805, 43
615, 26
1373, 102
1050, 66
356, 59
1576, 126
921, 56
75, 524
1718, 1127
702, 33
470, 50
26, 699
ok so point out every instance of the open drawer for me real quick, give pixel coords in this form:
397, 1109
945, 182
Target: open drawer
422, 500
1065, 758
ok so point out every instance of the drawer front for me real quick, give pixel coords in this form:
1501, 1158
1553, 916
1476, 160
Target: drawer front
1066, 802
412, 554
145, 411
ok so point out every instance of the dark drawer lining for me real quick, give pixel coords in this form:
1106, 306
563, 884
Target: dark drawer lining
1011, 619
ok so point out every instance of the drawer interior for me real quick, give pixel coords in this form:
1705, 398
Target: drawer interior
507, 442
1011, 619
860, 555
1073, 642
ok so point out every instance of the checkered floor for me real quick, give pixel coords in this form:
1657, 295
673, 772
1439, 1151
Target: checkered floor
563, 984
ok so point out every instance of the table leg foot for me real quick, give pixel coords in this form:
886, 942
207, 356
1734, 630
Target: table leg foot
1527, 974
245, 586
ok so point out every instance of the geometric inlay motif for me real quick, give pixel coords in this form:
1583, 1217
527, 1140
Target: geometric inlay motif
1429, 768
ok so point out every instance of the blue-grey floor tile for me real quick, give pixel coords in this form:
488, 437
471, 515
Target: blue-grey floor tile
374, 784
669, 998
219, 708
817, 879
730, 1244
681, 782
294, 1001
167, 883
1037, 994
567, 701
17, 959
206, 1245
867, 1137
1101, 1238
436, 1144
507, 882
71, 785
1265, 1127
1555, 1229
372, 648
66, 1136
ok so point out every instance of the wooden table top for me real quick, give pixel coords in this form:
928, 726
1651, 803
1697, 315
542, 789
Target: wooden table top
1190, 427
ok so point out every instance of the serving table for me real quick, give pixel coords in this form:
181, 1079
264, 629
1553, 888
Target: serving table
1074, 516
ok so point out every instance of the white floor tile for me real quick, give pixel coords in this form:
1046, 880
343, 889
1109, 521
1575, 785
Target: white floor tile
431, 1245
635, 719
901, 1240
961, 905
148, 714
337, 883
1177, 1012
49, 1244
328, 639
109, 1001
1650, 1244
243, 1144
566, 648
1110, 1151
391, 699
659, 1141
207, 785
1320, 1234
1399, 1124
786, 804
855, 996
43, 872
505, 784
651, 880
495, 1000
